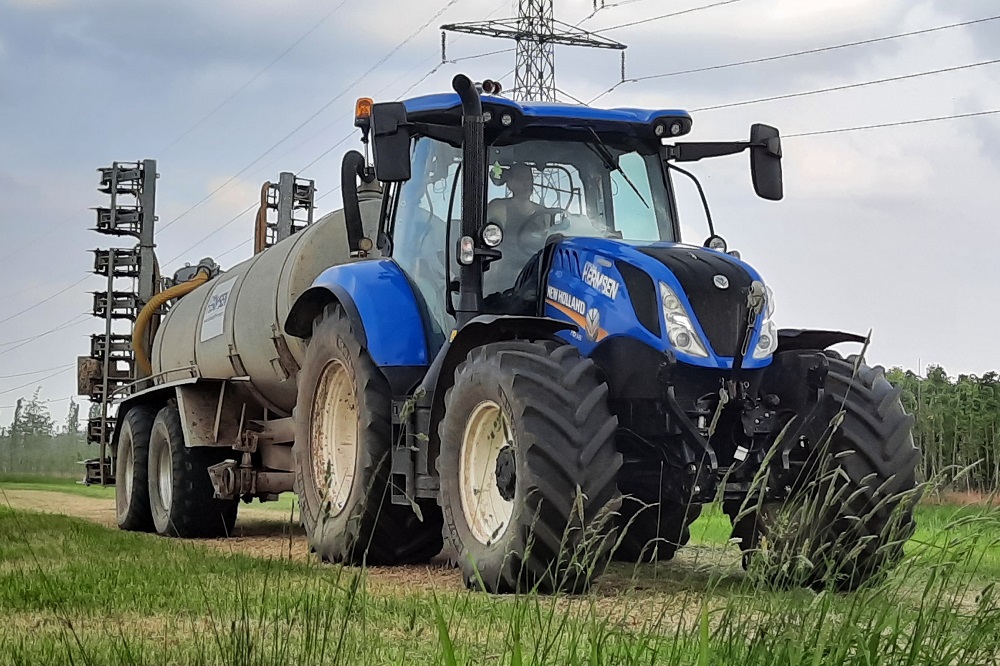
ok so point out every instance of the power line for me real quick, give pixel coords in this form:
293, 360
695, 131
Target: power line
849, 86
42, 402
670, 15
37, 381
795, 54
312, 117
28, 341
33, 287
900, 123
212, 233
36, 372
66, 324
45, 300
254, 77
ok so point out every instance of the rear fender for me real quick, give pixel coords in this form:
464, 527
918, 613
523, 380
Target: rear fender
380, 302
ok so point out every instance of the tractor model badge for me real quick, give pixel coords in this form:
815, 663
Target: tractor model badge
721, 281
593, 327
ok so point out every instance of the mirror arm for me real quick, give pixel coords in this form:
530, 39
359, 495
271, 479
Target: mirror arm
692, 152
701, 193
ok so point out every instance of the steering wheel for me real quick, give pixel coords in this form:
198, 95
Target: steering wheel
537, 227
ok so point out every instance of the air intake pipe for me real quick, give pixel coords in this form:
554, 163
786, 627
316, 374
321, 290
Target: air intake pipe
470, 294
352, 168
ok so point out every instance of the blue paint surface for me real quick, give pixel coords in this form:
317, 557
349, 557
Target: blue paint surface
387, 306
617, 316
551, 113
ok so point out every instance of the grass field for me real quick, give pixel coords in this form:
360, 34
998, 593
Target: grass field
77, 593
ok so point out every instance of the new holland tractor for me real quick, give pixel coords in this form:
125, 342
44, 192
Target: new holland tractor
501, 345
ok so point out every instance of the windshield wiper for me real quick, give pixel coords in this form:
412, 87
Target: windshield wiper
601, 150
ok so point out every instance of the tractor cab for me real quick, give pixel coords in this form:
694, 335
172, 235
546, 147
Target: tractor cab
548, 172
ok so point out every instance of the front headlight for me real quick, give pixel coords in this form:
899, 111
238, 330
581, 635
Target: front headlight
680, 330
768, 340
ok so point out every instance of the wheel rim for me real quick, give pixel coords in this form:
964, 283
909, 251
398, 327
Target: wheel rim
164, 476
334, 436
124, 476
487, 434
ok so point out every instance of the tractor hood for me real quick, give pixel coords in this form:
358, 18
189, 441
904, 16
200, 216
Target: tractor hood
612, 288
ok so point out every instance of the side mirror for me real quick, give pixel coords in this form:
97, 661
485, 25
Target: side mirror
765, 162
391, 142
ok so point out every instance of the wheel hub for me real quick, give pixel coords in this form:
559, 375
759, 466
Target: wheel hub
506, 473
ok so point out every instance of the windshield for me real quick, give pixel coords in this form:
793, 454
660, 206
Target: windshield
536, 188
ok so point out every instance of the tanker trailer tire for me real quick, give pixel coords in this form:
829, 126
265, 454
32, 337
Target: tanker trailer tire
653, 532
132, 470
528, 468
181, 495
868, 468
342, 451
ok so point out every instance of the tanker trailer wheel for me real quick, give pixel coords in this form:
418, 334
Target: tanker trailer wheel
343, 443
846, 522
181, 495
132, 470
651, 532
528, 468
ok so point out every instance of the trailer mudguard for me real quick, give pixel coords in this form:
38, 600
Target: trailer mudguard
378, 298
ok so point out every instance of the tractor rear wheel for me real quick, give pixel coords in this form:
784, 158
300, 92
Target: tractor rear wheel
181, 495
528, 468
132, 470
343, 445
653, 532
847, 521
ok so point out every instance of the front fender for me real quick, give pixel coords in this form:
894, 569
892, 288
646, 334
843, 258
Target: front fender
790, 339
380, 302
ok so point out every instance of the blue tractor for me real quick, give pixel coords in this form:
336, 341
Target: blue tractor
531, 367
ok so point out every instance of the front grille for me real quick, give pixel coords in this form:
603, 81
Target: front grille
722, 313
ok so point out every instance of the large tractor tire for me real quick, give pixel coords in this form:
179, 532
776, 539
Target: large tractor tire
343, 445
846, 522
132, 470
528, 468
652, 532
181, 495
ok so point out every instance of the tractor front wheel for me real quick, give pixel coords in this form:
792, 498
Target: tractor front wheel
528, 468
850, 513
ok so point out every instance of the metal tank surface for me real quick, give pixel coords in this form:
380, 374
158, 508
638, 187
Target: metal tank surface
232, 326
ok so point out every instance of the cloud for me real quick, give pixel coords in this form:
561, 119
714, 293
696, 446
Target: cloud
879, 229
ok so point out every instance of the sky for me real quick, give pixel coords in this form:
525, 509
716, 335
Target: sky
891, 229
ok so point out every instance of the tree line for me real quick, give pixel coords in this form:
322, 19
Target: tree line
957, 425
33, 443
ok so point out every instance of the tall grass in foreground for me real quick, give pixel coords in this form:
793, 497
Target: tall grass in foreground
71, 592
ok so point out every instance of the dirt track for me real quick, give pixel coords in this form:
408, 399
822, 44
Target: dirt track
270, 533
266, 533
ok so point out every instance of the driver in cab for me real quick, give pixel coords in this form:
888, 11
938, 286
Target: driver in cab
514, 214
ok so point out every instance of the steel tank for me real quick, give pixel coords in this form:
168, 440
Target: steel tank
233, 325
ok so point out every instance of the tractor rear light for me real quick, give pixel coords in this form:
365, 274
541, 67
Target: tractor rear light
680, 329
466, 251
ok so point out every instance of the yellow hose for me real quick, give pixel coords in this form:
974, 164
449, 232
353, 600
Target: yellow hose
142, 321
